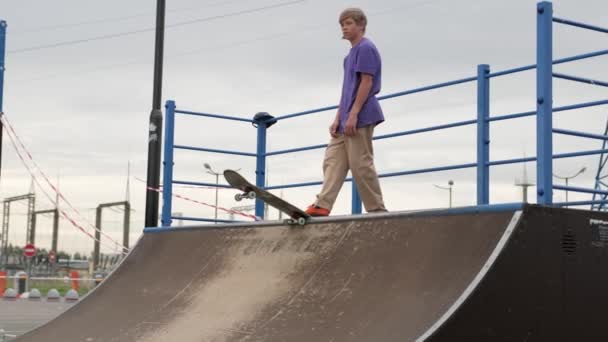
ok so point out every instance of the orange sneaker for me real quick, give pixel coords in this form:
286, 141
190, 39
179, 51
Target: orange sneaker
315, 210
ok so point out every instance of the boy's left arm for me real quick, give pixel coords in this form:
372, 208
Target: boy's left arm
365, 86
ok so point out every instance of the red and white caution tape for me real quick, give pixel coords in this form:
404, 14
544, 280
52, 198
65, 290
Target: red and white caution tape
188, 186
14, 137
182, 197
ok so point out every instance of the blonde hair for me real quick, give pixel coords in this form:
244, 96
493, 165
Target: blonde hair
355, 14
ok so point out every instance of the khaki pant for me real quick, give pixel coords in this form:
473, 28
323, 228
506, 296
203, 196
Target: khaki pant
357, 154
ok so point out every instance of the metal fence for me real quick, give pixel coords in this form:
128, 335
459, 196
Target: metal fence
544, 124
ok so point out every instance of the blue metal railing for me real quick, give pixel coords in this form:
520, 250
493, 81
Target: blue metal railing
544, 123
544, 103
483, 134
581, 25
599, 196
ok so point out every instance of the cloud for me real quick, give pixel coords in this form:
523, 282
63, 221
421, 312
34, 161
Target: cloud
83, 110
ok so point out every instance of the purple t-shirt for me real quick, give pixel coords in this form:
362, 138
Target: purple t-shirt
362, 58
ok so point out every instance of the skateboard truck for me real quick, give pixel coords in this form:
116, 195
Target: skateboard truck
248, 195
300, 221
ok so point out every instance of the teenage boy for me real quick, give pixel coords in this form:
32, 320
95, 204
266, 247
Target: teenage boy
350, 147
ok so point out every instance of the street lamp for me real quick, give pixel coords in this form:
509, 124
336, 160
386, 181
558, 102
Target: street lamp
449, 188
155, 125
217, 181
583, 169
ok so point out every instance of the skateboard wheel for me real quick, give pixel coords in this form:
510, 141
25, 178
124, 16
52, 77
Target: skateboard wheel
251, 195
238, 197
301, 221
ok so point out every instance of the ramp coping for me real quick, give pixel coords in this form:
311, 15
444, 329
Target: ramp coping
478, 278
331, 219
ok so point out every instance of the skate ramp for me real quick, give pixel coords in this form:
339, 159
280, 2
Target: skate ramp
429, 276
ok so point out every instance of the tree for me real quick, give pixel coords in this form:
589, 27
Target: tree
62, 255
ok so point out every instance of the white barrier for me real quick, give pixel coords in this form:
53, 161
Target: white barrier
51, 278
5, 337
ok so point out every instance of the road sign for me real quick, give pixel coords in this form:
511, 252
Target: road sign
29, 250
52, 257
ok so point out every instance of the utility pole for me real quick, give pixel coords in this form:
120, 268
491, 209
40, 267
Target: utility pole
128, 190
126, 228
2, 57
524, 183
156, 122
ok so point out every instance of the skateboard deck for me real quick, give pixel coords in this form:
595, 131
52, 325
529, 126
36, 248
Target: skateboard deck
298, 216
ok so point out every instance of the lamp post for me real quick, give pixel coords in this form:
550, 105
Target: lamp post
217, 180
449, 188
583, 169
217, 183
155, 125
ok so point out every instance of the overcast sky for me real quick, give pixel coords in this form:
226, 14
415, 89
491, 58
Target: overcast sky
82, 109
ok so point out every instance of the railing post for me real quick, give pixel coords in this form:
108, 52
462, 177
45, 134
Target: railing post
483, 134
544, 100
262, 121
168, 163
260, 167
356, 200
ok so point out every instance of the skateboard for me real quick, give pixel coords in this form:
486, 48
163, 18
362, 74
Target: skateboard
250, 191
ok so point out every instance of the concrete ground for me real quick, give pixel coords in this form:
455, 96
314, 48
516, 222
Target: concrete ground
20, 316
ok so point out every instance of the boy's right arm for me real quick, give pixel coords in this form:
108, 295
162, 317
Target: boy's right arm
333, 129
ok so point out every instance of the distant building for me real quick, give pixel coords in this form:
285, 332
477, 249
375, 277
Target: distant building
67, 264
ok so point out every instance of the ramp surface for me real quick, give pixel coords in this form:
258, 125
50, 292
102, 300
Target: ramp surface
396, 277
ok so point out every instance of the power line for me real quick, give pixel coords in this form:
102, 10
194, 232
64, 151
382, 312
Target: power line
214, 49
115, 19
134, 32
221, 47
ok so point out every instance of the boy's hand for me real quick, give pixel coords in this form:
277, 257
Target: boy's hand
350, 128
333, 129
